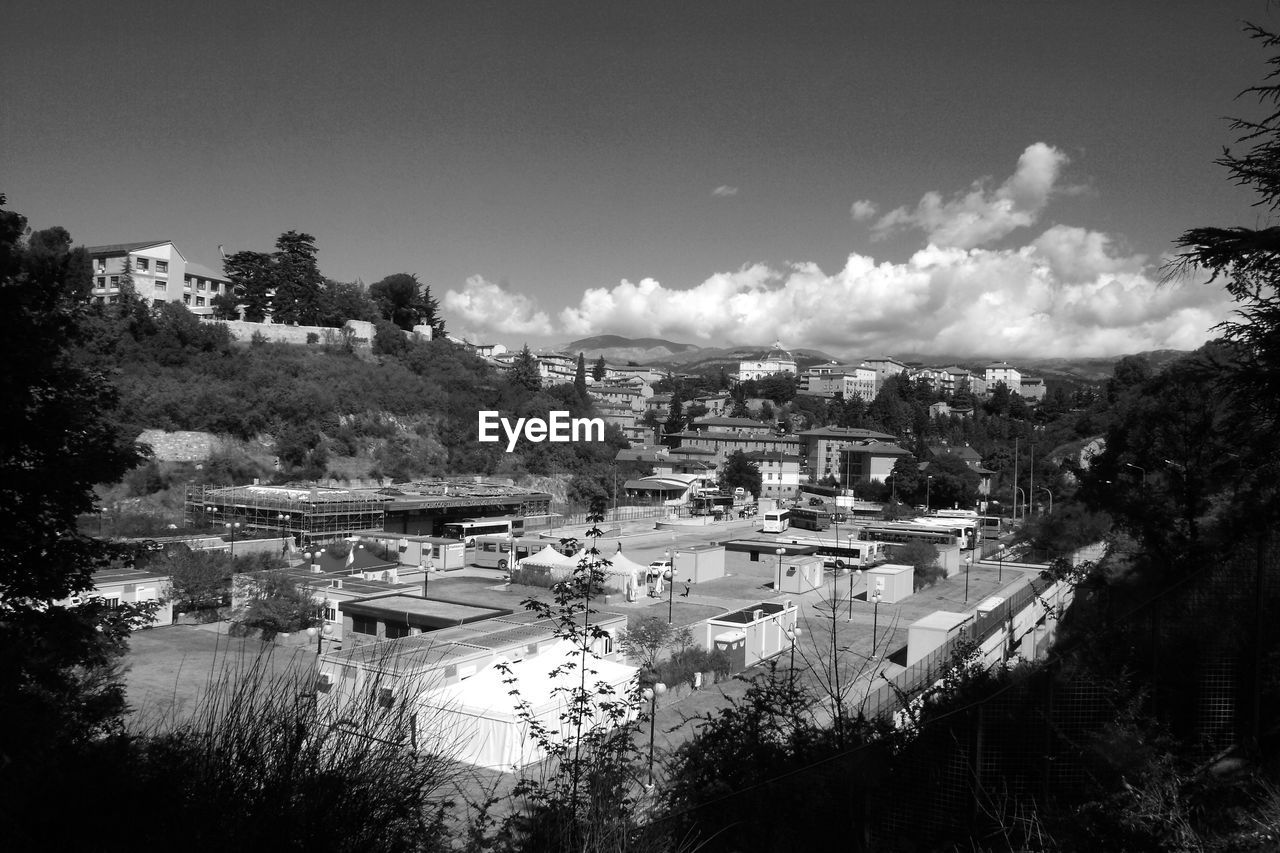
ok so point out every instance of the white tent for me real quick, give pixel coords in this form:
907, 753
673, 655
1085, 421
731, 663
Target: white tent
481, 720
548, 558
625, 573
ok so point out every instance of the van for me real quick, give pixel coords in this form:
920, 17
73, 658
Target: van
739, 492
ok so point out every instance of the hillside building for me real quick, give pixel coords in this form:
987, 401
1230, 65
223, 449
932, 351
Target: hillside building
160, 274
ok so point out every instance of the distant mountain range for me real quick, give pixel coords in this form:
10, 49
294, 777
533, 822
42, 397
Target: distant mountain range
688, 358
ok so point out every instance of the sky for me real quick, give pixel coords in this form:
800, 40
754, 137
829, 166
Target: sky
993, 179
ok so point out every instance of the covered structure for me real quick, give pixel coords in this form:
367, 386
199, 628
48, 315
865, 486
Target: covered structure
486, 724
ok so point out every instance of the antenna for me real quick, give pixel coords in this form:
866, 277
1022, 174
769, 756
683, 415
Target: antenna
222, 252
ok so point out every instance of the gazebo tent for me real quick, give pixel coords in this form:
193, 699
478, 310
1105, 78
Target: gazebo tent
479, 717
624, 572
547, 563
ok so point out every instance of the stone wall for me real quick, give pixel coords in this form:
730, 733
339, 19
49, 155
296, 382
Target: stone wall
242, 330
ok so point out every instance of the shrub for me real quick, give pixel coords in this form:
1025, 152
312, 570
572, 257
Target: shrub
681, 666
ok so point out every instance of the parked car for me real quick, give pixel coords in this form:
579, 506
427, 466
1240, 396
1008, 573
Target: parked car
662, 567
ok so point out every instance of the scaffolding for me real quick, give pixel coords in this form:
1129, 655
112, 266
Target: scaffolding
305, 513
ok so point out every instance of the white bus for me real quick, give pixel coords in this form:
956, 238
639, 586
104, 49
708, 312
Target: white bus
469, 529
777, 520
852, 553
503, 552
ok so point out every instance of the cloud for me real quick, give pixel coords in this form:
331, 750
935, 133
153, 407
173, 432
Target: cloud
1065, 291
985, 303
982, 214
723, 191
862, 210
483, 308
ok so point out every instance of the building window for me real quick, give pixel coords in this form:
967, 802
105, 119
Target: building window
102, 281
331, 614
115, 281
162, 266
364, 625
186, 299
213, 285
162, 285
199, 301
199, 284
143, 263
156, 303
395, 630
101, 264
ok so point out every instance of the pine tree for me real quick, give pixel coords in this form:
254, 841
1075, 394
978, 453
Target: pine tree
675, 421
580, 378
599, 370
524, 371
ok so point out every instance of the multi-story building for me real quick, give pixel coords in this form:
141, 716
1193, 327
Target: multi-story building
884, 368
1032, 388
866, 461
1002, 371
820, 448
159, 273
774, 362
779, 473
828, 380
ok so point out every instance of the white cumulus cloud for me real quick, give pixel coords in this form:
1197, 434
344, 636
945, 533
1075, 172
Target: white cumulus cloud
724, 191
983, 214
483, 308
862, 210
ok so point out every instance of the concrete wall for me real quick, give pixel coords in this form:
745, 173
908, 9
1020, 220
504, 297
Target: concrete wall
180, 446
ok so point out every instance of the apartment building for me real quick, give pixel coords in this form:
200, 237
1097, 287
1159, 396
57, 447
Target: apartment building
821, 448
1002, 371
828, 380
160, 274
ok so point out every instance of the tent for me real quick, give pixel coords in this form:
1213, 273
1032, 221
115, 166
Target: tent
625, 574
481, 720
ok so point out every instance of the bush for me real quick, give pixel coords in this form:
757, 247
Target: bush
681, 666
313, 337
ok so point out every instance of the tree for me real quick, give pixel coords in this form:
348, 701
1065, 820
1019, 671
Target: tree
675, 420
405, 301
199, 580
342, 301
278, 604
580, 378
954, 482
252, 276
57, 683
778, 387
298, 283
599, 370
923, 558
524, 373
737, 471
906, 478
647, 640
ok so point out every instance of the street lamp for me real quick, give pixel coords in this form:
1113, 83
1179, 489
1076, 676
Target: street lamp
1018, 490
1139, 468
779, 552
1045, 489
876, 595
928, 487
671, 587
283, 518
793, 634
313, 557
651, 695
232, 528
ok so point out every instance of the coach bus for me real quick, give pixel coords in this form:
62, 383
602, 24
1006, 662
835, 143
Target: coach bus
810, 518
777, 520
503, 552
899, 532
851, 553
468, 529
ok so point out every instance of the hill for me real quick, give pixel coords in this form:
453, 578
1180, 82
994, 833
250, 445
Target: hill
619, 350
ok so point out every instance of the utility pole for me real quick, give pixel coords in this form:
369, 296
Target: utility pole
1015, 480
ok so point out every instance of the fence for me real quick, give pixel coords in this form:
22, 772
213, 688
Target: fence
616, 514
987, 766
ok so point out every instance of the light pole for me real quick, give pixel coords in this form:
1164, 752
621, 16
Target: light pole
651, 695
855, 573
793, 634
779, 552
1015, 478
928, 488
893, 487
232, 528
671, 587
313, 557
283, 518
876, 595
1045, 489
1144, 473
1018, 490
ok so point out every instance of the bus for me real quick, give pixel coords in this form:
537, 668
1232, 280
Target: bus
777, 520
900, 532
503, 552
468, 529
810, 518
851, 553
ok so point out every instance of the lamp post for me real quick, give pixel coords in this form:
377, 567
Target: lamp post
779, 552
283, 518
793, 634
855, 573
313, 557
671, 587
1050, 494
651, 695
876, 595
1018, 490
1144, 473
928, 488
893, 487
232, 528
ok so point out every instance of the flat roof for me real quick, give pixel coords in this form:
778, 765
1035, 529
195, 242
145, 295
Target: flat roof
422, 612
419, 652
942, 620
747, 615
769, 546
890, 569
